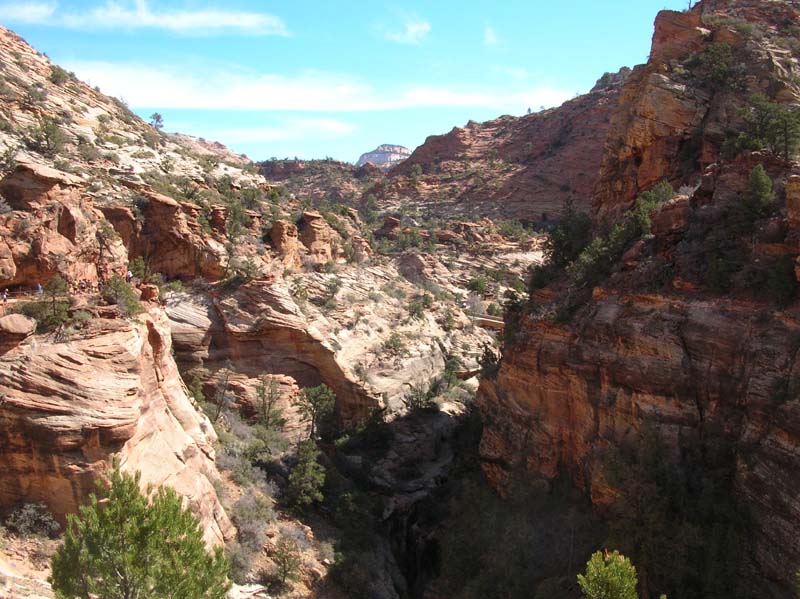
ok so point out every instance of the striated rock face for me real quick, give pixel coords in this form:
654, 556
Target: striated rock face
53, 229
685, 360
384, 156
115, 389
510, 167
565, 395
261, 329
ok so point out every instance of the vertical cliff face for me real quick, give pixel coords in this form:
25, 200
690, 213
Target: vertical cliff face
655, 346
111, 389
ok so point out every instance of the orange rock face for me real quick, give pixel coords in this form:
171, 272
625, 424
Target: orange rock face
322, 243
115, 390
510, 167
170, 237
563, 396
53, 229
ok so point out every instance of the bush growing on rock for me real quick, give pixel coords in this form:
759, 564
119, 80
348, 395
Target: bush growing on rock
118, 292
287, 560
46, 137
32, 519
125, 545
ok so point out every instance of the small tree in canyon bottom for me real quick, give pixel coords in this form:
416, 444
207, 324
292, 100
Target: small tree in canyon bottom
608, 576
125, 546
316, 406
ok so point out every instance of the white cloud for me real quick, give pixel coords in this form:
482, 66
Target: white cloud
490, 36
414, 31
292, 129
518, 73
311, 91
137, 14
27, 12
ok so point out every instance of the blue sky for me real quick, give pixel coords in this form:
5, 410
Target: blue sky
315, 78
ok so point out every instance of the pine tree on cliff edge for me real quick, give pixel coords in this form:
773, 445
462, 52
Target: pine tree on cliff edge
126, 546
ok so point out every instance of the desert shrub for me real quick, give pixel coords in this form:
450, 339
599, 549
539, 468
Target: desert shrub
287, 559
759, 199
766, 125
419, 397
478, 284
118, 292
89, 152
32, 519
46, 137
720, 67
395, 344
58, 75
513, 229
568, 239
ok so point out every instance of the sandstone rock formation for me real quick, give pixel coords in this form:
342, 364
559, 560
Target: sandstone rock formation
53, 229
684, 359
384, 156
170, 238
113, 390
510, 167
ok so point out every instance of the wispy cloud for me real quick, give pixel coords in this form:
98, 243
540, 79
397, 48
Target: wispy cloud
518, 73
490, 36
26, 12
414, 31
311, 91
137, 14
291, 129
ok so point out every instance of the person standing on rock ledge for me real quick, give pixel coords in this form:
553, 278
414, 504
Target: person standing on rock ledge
39, 290
5, 300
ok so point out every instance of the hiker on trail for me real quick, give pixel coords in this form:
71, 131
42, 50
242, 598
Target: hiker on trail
129, 276
5, 299
39, 290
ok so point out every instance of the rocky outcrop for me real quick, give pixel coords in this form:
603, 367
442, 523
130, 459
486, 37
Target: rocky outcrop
14, 329
512, 167
687, 360
171, 239
113, 390
565, 395
54, 228
384, 156
322, 243
284, 238
259, 329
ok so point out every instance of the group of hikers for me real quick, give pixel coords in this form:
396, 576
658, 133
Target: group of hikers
80, 287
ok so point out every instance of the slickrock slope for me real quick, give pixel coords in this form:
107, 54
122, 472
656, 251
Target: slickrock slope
511, 167
111, 389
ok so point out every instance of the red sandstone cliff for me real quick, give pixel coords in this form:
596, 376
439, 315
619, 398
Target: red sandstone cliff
681, 358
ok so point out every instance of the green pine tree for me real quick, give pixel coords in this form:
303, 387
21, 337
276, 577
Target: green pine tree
124, 546
608, 576
307, 476
316, 405
759, 197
